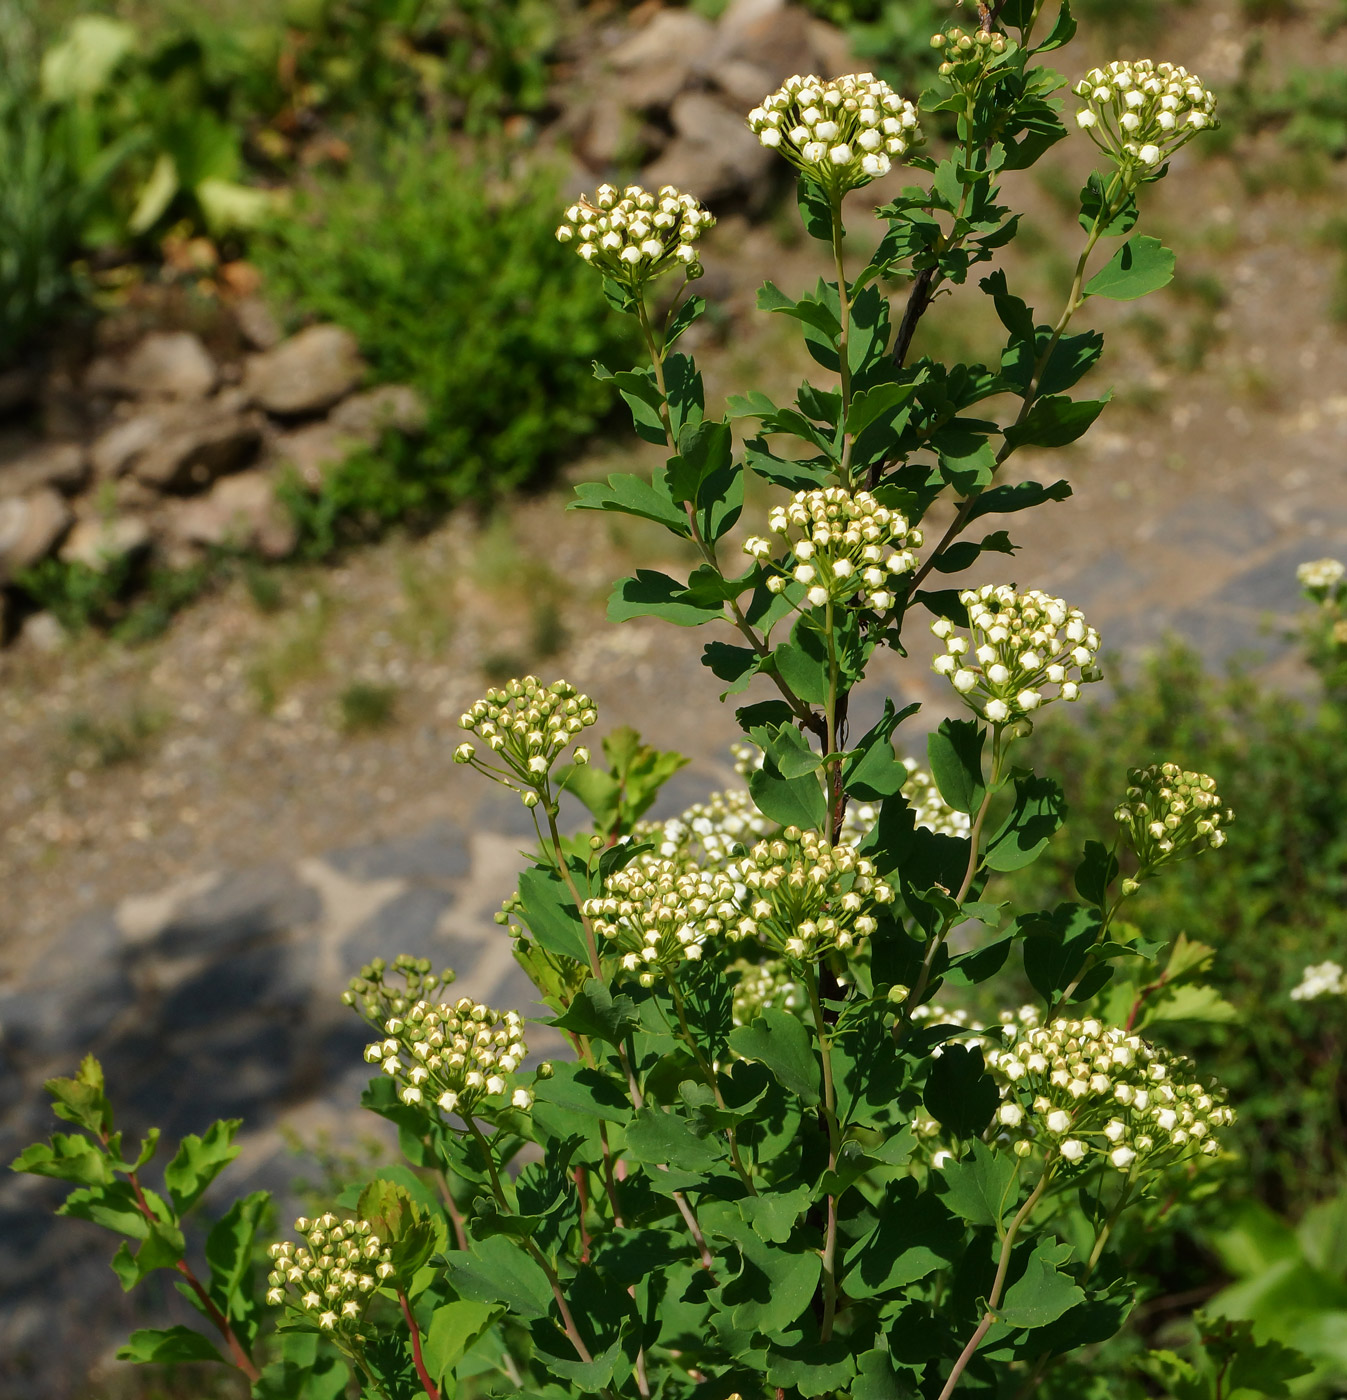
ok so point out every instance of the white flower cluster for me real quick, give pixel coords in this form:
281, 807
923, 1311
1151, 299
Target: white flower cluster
967, 56
929, 808
527, 724
803, 896
637, 236
1320, 577
709, 834
842, 545
763, 985
658, 913
333, 1274
1325, 979
1021, 643
452, 1056
1089, 1093
1170, 813
1139, 113
843, 133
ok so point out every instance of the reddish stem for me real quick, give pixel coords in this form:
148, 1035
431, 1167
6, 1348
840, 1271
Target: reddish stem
427, 1384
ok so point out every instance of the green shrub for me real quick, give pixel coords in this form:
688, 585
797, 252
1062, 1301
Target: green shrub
1274, 901
452, 281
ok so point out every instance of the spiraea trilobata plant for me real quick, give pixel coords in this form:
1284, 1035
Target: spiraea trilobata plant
773, 1162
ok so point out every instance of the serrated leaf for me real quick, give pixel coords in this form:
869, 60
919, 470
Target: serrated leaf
198, 1161
229, 1252
1055, 421
454, 1328
1141, 265
67, 1158
497, 1271
81, 1099
652, 594
625, 494
1023, 495
982, 1187
780, 1041
658, 1138
595, 1012
1042, 1293
551, 915
1037, 816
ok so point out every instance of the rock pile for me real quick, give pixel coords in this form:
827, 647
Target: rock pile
671, 95
174, 452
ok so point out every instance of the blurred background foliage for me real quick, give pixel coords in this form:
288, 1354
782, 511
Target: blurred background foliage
376, 160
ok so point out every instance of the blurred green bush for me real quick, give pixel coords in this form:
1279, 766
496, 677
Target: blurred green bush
452, 280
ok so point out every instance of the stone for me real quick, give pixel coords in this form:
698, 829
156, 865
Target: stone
663, 58
256, 323
193, 451
100, 543
43, 634
307, 373
778, 39
743, 83
30, 528
64, 466
116, 449
713, 151
314, 450
169, 365
369, 415
240, 512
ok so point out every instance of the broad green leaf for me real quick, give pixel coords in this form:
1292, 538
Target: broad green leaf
773, 1215
1097, 870
787, 749
959, 1094
703, 449
652, 594
1055, 421
776, 1285
597, 1013
872, 771
67, 1158
585, 1090
169, 1347
1042, 1293
161, 1248
1141, 265
915, 1236
454, 1327
781, 1042
551, 915
113, 1207
789, 801
656, 1138
498, 1271
229, 1252
1037, 815
802, 663
1023, 495
982, 1187
691, 310
198, 1161
954, 752
812, 1368
633, 495
877, 1380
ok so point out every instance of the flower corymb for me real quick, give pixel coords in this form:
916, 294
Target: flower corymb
1021, 645
1170, 813
331, 1277
1139, 113
843, 133
843, 545
638, 235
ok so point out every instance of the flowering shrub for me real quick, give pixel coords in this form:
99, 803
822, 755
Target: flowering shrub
770, 1162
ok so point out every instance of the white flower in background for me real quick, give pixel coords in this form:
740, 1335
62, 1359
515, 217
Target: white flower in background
929, 809
1320, 577
1139, 112
1022, 651
843, 133
843, 546
709, 834
1323, 979
638, 235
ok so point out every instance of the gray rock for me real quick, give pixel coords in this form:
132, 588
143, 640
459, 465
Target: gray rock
196, 449
663, 58
63, 466
367, 415
113, 453
43, 634
100, 543
240, 511
314, 450
254, 319
307, 373
440, 853
713, 152
169, 365
30, 528
779, 39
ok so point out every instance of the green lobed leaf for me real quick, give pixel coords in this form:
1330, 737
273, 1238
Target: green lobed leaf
652, 594
229, 1252
789, 801
1140, 266
550, 913
916, 1235
169, 1346
625, 494
704, 449
198, 1161
81, 1099
959, 1093
1055, 421
67, 1158
656, 1138
496, 1271
1037, 816
595, 1012
981, 1187
585, 1090
780, 1041
454, 1328
1042, 1293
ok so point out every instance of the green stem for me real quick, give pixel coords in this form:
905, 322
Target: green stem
998, 1283
844, 335
830, 725
834, 1150
590, 945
